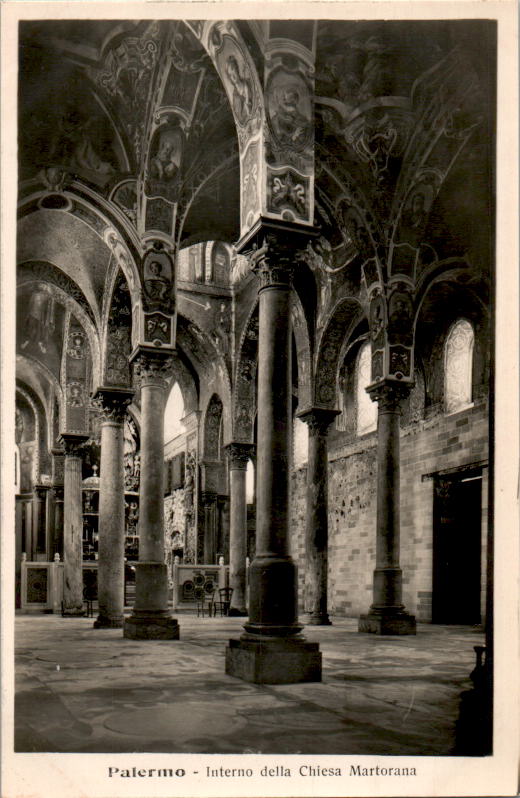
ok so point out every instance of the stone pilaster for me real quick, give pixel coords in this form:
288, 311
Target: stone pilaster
272, 650
316, 549
387, 614
150, 617
112, 402
72, 525
238, 457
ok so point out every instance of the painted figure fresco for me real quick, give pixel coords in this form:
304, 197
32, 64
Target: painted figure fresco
242, 97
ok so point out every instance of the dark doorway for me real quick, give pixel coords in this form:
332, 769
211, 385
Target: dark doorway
457, 549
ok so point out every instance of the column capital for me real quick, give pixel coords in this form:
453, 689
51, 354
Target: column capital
112, 403
272, 263
152, 366
318, 419
389, 393
239, 454
272, 248
73, 443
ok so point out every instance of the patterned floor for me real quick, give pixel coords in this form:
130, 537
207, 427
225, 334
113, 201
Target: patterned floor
85, 690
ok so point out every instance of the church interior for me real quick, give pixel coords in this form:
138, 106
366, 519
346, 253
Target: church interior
254, 373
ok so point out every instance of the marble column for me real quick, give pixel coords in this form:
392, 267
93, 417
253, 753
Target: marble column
150, 619
72, 525
387, 614
238, 454
316, 548
272, 650
111, 568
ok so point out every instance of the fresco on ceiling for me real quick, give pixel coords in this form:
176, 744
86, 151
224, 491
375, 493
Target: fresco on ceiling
76, 138
125, 197
165, 162
40, 321
235, 71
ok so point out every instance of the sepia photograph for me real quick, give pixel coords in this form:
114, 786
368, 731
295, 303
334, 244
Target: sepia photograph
254, 377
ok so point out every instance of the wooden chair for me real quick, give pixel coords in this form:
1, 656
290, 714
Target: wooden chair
205, 602
224, 601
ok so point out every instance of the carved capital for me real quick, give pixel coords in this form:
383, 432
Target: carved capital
272, 262
318, 419
112, 403
73, 443
389, 394
239, 455
152, 366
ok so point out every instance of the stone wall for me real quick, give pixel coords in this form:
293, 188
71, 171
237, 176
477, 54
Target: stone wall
434, 444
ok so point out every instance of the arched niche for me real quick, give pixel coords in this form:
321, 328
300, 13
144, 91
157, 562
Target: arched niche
212, 438
244, 395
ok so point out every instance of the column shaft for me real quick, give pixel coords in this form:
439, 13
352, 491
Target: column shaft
150, 617
111, 527
237, 544
272, 651
316, 575
238, 459
387, 614
273, 586
151, 502
72, 538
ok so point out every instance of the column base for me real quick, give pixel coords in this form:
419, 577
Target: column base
149, 627
273, 661
235, 612
318, 619
381, 623
105, 622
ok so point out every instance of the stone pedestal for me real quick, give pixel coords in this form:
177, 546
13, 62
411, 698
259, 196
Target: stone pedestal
150, 619
316, 550
273, 661
238, 454
272, 650
72, 526
113, 403
387, 615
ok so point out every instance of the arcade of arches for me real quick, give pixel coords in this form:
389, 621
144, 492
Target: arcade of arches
254, 286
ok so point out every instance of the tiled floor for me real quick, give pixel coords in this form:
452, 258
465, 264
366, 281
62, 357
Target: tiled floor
85, 690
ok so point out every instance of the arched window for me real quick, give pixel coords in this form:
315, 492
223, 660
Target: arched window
366, 414
173, 413
458, 367
300, 443
250, 483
